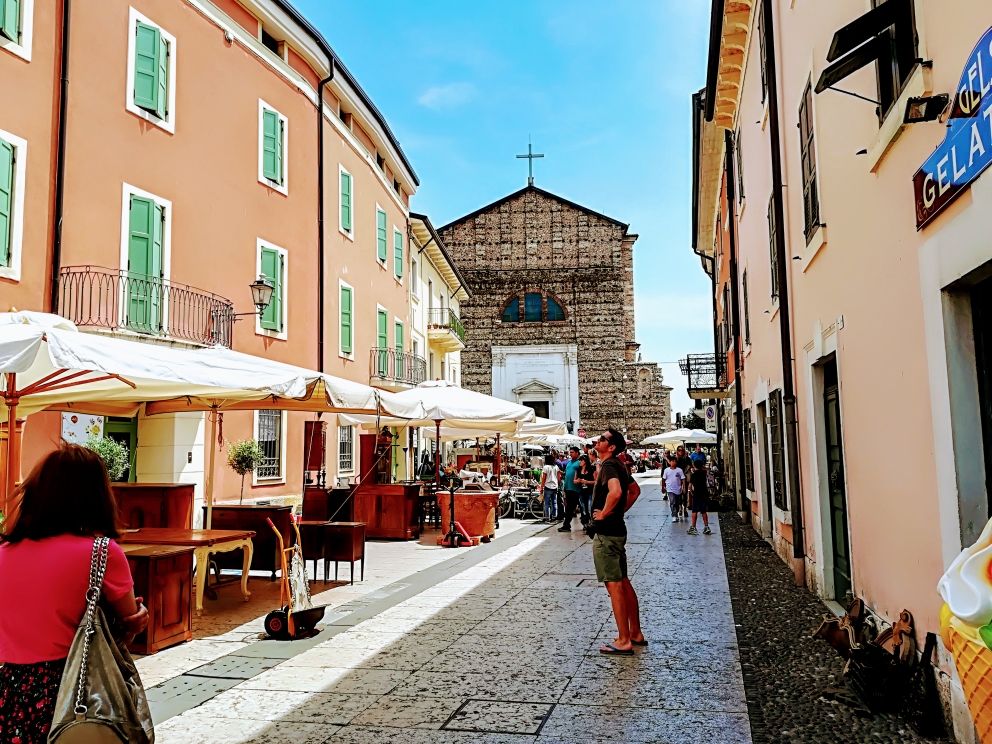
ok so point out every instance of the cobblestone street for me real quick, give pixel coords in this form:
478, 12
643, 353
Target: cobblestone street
506, 650
786, 671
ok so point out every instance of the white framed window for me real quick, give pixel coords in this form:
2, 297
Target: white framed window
17, 27
346, 449
346, 320
398, 254
273, 146
273, 262
414, 277
346, 202
151, 72
13, 173
270, 431
381, 235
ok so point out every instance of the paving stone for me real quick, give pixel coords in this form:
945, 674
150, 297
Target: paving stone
496, 684
499, 717
637, 725
190, 728
408, 712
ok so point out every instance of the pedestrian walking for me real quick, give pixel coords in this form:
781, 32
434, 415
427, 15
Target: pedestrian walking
699, 496
682, 460
549, 487
586, 478
674, 480
614, 493
571, 488
65, 503
698, 454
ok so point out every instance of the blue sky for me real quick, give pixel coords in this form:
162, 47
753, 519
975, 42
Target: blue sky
602, 88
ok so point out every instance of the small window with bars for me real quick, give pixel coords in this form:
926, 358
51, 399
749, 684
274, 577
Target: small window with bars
270, 439
748, 456
811, 199
346, 449
777, 450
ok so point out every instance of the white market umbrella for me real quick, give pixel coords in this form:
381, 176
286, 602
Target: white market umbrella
688, 436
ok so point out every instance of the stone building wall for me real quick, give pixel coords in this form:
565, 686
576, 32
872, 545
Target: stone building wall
535, 241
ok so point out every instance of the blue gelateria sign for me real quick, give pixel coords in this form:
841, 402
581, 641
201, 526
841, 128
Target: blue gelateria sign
967, 147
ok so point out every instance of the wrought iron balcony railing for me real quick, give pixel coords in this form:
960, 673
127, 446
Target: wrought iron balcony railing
93, 296
705, 371
397, 366
441, 318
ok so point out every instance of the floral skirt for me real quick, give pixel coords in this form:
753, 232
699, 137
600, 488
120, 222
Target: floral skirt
27, 701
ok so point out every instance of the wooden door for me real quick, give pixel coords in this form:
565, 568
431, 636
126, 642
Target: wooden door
835, 481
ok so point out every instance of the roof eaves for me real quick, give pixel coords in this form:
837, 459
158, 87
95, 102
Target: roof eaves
444, 251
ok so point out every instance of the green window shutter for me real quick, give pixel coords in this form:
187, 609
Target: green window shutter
380, 227
6, 199
162, 104
345, 201
346, 315
10, 19
144, 264
272, 269
147, 48
383, 336
271, 146
398, 253
399, 337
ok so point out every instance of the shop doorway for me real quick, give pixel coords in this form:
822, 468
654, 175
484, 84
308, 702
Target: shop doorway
767, 514
540, 407
124, 431
833, 439
981, 313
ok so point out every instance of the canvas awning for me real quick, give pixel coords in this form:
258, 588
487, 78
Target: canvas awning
688, 436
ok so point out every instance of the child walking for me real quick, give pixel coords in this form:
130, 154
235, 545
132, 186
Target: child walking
699, 493
674, 479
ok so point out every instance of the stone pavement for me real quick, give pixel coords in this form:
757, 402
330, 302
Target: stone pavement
505, 651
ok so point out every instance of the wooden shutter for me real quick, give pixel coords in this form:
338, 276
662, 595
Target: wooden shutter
162, 104
6, 199
10, 19
383, 338
144, 265
346, 314
398, 253
807, 151
399, 336
380, 229
147, 48
772, 247
271, 262
346, 201
271, 146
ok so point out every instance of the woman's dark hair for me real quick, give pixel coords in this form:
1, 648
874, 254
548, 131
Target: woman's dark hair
549, 459
67, 493
585, 459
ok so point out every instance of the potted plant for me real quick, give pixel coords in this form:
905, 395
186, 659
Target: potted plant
243, 457
114, 455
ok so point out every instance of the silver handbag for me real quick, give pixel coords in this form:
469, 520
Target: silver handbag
100, 700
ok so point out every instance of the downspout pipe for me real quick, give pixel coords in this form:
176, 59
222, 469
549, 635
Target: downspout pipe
320, 215
60, 160
784, 317
735, 310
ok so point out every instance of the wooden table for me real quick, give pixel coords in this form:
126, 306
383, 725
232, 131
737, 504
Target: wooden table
333, 541
204, 543
162, 576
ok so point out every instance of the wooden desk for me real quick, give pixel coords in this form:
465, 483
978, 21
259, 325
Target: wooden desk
388, 509
163, 576
155, 504
334, 541
252, 517
204, 543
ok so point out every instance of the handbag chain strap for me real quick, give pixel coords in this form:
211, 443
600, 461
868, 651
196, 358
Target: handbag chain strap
98, 566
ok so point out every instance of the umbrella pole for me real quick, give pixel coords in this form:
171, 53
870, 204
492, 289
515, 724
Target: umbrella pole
498, 461
211, 460
13, 443
437, 455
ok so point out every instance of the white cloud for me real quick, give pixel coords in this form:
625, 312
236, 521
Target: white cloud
449, 96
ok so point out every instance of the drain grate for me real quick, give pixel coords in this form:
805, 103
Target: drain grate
499, 717
234, 667
179, 694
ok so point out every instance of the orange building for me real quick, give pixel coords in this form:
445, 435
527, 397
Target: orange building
185, 159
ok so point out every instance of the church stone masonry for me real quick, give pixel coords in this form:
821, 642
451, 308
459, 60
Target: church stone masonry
533, 241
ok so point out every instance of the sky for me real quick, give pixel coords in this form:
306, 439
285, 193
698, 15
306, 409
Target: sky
602, 89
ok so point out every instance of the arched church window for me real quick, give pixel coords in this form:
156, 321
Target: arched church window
512, 312
554, 310
532, 307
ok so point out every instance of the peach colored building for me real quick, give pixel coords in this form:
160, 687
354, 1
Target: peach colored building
191, 165
859, 227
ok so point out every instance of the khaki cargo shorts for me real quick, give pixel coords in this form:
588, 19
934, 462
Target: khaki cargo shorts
610, 557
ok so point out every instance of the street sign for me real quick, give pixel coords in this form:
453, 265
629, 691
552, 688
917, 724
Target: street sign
710, 416
582, 433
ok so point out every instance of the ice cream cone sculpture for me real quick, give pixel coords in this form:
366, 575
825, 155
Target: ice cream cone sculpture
966, 626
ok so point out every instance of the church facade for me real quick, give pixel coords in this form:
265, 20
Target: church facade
551, 320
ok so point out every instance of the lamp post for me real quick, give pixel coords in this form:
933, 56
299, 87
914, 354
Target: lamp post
570, 425
261, 296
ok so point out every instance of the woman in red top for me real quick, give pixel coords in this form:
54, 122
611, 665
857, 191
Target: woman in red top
65, 502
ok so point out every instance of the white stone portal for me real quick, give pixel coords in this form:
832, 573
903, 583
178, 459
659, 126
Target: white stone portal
546, 375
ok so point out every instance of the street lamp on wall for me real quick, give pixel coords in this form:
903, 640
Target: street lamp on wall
570, 425
261, 296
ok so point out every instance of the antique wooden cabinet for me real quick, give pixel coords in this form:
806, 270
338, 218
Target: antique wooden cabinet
163, 576
388, 509
155, 504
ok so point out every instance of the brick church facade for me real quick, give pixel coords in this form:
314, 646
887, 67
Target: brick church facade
551, 318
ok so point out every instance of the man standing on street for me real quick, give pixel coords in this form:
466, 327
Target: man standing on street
614, 493
571, 488
698, 455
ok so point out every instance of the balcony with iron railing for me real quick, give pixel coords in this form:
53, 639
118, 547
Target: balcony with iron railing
707, 375
126, 302
396, 370
445, 329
